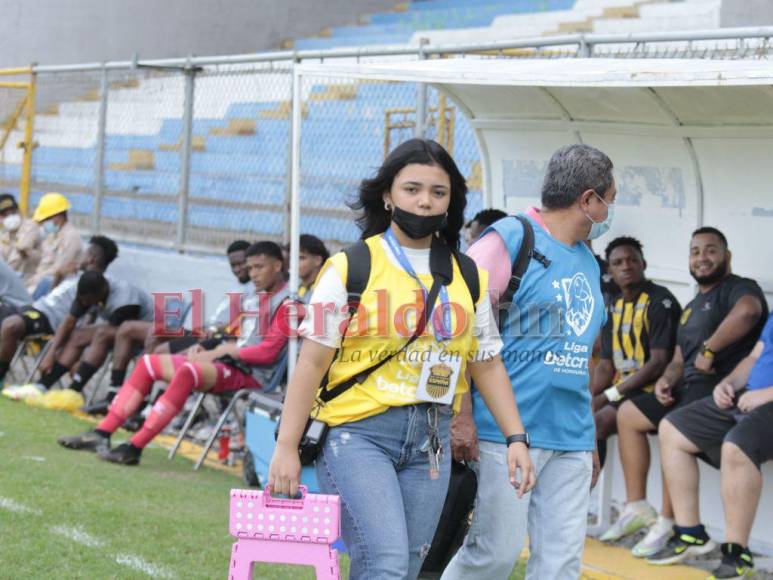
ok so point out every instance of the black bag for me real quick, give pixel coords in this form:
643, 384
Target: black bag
455, 519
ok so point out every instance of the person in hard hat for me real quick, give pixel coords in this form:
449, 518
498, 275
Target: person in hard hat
20, 238
62, 245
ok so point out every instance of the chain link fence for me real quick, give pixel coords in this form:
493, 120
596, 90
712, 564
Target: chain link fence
13, 101
240, 154
65, 140
193, 157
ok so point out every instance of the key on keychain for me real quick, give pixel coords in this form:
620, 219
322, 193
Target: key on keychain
435, 451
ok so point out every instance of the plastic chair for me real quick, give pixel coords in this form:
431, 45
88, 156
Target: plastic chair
19, 354
284, 531
232, 398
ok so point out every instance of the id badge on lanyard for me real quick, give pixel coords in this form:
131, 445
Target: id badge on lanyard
438, 379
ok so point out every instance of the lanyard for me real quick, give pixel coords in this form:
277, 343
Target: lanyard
444, 333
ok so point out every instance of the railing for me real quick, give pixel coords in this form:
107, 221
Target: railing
191, 153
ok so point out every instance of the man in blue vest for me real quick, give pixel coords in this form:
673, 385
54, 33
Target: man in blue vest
553, 321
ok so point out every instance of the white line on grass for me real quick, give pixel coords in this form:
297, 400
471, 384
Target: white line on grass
14, 506
141, 565
37, 458
78, 535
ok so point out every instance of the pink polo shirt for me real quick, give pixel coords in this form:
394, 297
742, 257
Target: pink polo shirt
490, 252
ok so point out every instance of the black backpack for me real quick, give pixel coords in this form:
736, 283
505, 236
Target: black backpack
358, 256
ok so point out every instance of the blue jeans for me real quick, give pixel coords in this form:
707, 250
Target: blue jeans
555, 513
380, 468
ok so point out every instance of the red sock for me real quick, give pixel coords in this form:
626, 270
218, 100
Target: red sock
186, 378
132, 393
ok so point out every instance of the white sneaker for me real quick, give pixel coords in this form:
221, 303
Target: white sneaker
22, 392
656, 539
631, 521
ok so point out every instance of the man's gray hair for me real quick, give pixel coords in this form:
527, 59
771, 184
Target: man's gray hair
572, 170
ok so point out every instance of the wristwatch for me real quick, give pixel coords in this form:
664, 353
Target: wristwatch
519, 438
707, 352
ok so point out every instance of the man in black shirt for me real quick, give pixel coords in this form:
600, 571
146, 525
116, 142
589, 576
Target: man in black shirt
717, 329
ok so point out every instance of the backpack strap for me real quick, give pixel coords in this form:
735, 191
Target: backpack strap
358, 273
469, 272
518, 269
521, 262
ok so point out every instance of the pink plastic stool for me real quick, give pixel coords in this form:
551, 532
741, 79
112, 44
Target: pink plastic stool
284, 531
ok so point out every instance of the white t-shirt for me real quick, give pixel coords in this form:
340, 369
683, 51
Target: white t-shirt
330, 289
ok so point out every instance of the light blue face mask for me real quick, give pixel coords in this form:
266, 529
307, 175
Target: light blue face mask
50, 227
598, 229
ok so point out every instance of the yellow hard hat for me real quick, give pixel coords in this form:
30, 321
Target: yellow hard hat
50, 205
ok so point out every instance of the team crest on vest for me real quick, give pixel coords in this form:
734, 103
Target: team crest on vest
578, 298
439, 380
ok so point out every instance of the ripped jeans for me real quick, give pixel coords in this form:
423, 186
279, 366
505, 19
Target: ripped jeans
390, 505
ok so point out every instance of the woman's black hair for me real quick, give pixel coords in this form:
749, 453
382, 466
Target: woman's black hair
375, 219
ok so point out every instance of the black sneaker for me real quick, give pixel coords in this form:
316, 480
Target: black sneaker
737, 562
681, 546
88, 441
124, 454
99, 407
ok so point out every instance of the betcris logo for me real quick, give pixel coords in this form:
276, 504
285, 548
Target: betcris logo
573, 360
576, 295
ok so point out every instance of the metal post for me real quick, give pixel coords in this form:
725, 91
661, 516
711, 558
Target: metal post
185, 154
288, 174
586, 48
99, 163
295, 213
421, 96
29, 147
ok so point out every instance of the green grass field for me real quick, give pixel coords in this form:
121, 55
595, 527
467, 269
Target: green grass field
67, 514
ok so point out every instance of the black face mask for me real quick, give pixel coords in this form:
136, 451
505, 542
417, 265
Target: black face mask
418, 226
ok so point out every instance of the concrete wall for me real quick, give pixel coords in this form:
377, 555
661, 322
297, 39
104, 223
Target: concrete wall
72, 31
746, 13
167, 271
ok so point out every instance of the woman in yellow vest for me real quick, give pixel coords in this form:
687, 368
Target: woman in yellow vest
387, 452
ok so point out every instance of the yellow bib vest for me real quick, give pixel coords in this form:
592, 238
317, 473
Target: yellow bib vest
384, 322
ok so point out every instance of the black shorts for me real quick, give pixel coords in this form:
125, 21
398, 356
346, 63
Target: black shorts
684, 394
629, 397
35, 322
178, 345
708, 426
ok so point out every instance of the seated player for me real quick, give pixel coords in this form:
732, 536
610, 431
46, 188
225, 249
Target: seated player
636, 345
717, 329
310, 259
246, 363
137, 334
733, 430
47, 313
70, 301
13, 294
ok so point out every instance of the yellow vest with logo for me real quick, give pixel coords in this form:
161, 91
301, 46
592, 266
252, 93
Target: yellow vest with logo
374, 332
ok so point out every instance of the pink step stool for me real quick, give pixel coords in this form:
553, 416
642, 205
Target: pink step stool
284, 531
